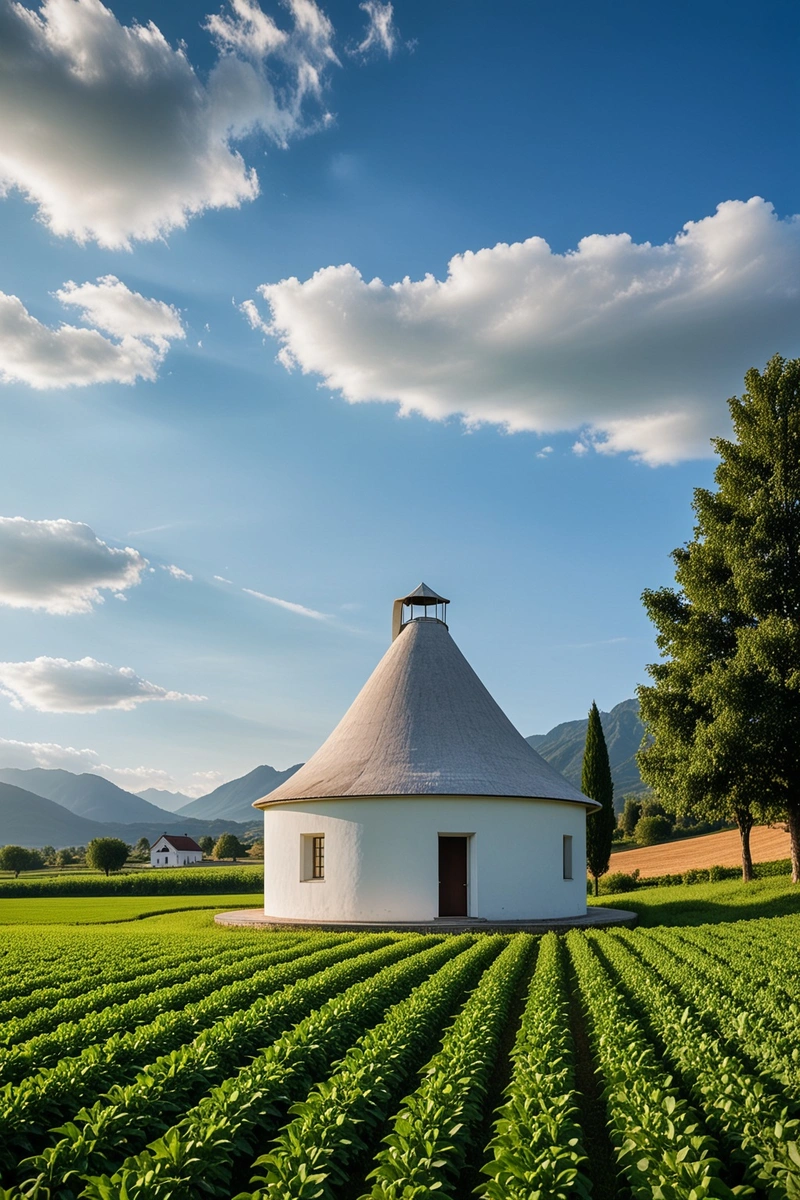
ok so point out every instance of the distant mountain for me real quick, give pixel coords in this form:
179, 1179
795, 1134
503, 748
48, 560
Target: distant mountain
30, 820
563, 748
171, 801
89, 796
234, 801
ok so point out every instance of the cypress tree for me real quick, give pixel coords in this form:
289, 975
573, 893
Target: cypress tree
596, 783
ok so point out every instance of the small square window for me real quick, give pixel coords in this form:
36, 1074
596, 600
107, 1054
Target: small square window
567, 855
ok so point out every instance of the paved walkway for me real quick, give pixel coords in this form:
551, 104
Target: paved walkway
595, 918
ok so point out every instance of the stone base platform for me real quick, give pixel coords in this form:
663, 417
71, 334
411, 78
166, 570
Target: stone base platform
595, 918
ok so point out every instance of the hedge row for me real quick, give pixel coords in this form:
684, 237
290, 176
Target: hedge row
189, 881
622, 881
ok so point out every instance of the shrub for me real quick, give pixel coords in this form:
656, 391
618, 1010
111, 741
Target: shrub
215, 880
619, 881
650, 830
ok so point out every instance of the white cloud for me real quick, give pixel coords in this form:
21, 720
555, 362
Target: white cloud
545, 452
111, 306
381, 33
51, 755
61, 566
85, 686
288, 604
114, 136
177, 573
25, 755
222, 579
635, 344
43, 357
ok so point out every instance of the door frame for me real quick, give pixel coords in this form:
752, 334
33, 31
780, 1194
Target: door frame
472, 874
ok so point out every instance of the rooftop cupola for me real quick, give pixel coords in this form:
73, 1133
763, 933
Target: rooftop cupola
424, 598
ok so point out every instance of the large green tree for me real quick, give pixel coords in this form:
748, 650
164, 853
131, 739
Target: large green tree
724, 707
596, 783
19, 858
228, 846
107, 854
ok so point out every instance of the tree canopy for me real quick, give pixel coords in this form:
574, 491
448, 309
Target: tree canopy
19, 858
228, 846
107, 854
724, 706
596, 783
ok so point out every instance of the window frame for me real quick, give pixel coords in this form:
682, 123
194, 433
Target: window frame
312, 857
566, 857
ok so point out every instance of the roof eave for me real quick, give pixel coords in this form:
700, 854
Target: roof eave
585, 801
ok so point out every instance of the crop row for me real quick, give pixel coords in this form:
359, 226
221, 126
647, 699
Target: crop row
70, 1037
39, 1101
45, 1015
123, 1120
750, 1118
537, 1145
200, 1151
387, 1053
334, 1126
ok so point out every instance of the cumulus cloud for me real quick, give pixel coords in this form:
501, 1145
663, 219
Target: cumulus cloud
300, 609
381, 34
113, 134
636, 345
85, 686
61, 566
69, 356
177, 572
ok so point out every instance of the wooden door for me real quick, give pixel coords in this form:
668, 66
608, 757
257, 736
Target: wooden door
452, 877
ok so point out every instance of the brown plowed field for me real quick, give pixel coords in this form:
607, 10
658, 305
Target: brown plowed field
712, 850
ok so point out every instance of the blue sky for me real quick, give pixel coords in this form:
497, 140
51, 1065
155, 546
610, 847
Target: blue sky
525, 436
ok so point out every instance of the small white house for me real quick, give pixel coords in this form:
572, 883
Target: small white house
425, 802
172, 851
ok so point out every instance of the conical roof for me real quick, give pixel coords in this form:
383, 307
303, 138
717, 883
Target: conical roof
424, 725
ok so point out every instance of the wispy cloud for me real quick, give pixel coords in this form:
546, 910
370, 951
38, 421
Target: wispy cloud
381, 34
300, 609
153, 529
177, 572
222, 579
615, 641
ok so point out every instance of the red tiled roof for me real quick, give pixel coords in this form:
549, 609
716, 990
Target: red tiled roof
177, 843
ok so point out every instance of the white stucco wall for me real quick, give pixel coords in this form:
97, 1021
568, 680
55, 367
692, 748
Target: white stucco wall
381, 858
163, 855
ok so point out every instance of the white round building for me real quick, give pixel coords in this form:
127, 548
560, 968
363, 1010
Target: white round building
425, 802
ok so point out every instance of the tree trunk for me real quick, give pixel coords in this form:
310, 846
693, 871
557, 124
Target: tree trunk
744, 819
794, 839
596, 885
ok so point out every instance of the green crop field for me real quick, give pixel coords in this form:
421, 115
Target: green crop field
94, 910
166, 1059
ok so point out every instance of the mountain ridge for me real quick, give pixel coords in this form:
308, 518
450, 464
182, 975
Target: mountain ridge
87, 795
234, 800
563, 748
